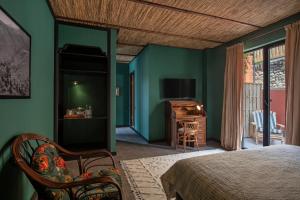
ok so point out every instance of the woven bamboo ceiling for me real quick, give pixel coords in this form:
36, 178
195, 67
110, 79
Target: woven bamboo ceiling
195, 24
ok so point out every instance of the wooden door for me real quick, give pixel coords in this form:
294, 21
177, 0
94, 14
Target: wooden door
132, 98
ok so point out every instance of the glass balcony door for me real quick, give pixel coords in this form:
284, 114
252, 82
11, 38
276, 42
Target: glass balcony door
264, 96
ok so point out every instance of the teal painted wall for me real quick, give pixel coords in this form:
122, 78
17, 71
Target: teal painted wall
34, 114
122, 82
140, 67
82, 36
215, 67
167, 62
153, 65
69, 34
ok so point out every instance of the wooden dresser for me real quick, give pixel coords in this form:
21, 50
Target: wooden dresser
177, 111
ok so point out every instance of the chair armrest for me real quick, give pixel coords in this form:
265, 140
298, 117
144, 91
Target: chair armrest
254, 125
86, 154
85, 182
280, 126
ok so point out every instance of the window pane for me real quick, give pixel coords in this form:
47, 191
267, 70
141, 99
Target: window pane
277, 93
253, 95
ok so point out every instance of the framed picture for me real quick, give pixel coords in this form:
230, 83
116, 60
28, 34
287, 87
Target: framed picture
15, 45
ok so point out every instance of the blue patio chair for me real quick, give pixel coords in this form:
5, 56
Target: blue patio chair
276, 130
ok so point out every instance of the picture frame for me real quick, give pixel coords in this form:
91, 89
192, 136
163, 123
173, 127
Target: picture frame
15, 59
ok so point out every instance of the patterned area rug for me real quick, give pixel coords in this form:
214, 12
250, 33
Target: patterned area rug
144, 174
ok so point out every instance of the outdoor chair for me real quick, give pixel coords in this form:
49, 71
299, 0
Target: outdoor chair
277, 131
42, 160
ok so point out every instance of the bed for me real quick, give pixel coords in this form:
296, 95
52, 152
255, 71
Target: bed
261, 174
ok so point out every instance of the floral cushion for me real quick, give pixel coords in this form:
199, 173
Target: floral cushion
49, 164
99, 191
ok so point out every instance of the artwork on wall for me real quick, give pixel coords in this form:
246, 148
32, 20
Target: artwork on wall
15, 45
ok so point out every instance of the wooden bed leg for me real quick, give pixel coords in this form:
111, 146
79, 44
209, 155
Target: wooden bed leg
178, 197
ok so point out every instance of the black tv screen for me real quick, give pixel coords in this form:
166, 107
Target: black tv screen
179, 88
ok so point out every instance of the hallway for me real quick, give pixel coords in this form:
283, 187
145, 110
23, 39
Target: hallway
127, 134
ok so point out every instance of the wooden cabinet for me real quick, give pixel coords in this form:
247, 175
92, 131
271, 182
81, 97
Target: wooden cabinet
177, 111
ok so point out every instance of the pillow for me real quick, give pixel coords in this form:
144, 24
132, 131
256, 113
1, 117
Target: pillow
47, 162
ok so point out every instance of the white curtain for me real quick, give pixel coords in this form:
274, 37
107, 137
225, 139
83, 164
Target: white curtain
232, 123
292, 57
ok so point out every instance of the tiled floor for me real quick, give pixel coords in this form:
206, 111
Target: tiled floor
250, 143
127, 134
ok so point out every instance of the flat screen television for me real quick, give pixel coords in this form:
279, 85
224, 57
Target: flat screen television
179, 88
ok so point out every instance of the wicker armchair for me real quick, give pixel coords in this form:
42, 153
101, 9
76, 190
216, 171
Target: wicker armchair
25, 145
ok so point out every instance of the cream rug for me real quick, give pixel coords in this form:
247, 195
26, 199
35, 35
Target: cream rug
144, 174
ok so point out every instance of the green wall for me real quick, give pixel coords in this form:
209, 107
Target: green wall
70, 34
122, 81
153, 65
215, 67
167, 62
34, 114
140, 68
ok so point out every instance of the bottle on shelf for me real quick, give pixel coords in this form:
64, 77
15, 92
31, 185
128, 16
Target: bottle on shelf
88, 111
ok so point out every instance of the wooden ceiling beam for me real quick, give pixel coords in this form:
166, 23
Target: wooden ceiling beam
124, 54
129, 44
62, 18
158, 5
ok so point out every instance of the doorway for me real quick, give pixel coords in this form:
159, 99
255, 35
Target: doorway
128, 133
132, 100
264, 96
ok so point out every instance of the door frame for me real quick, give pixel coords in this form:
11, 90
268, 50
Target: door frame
132, 99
